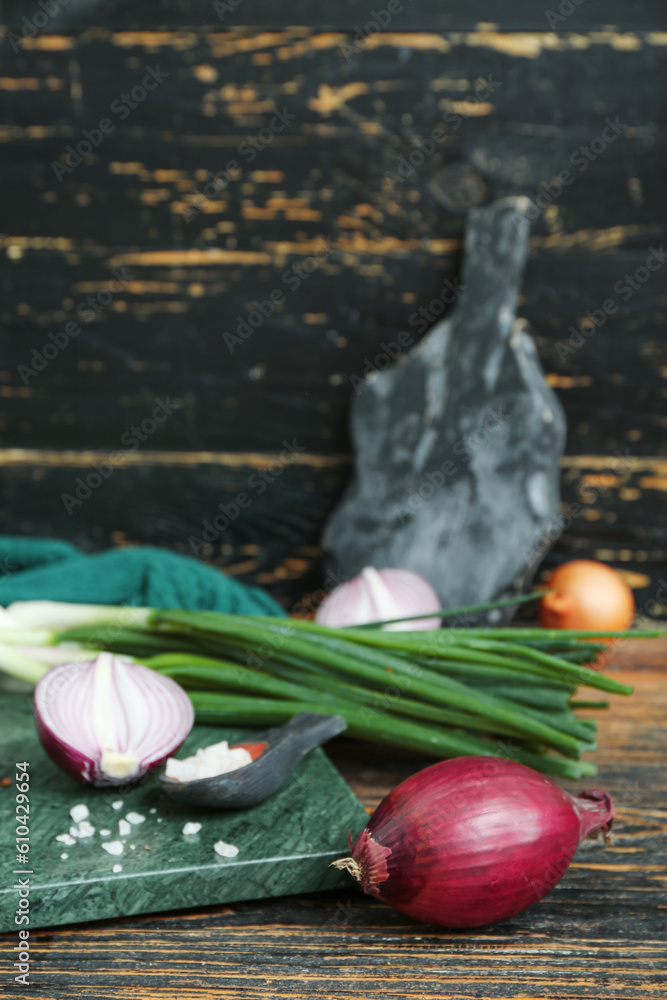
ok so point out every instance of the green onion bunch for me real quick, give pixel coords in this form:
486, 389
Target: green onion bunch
505, 692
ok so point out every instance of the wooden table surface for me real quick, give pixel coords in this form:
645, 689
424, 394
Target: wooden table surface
601, 933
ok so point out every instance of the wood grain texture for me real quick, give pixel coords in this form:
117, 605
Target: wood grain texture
599, 934
312, 214
611, 510
416, 15
523, 15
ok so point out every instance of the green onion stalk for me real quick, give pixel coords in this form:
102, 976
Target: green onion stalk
505, 692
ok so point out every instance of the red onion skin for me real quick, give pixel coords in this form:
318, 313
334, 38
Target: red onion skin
66, 757
72, 762
474, 840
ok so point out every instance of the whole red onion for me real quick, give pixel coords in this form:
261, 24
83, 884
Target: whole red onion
473, 840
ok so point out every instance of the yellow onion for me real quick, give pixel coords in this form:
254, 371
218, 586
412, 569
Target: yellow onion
584, 594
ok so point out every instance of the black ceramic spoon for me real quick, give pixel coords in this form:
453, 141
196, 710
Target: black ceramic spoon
274, 753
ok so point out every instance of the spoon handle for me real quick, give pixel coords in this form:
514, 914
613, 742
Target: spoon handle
308, 730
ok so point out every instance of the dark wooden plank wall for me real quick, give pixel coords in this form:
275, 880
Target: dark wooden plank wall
313, 216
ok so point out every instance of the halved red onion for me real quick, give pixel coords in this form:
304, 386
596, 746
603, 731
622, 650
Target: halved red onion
377, 595
108, 721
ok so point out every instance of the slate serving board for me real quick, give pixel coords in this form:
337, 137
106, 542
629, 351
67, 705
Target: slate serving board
285, 843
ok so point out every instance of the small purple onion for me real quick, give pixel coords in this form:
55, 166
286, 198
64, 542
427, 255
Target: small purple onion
108, 721
378, 595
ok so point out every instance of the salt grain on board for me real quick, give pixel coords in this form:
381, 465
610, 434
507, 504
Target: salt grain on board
65, 838
124, 827
191, 828
118, 804
135, 818
79, 812
113, 847
64, 855
225, 850
117, 868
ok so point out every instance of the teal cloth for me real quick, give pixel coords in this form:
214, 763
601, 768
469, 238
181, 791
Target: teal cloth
53, 570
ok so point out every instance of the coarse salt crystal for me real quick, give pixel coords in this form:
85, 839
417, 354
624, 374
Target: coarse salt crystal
208, 762
153, 810
118, 804
65, 838
124, 827
86, 829
113, 847
64, 855
133, 817
225, 850
104, 833
191, 828
117, 868
79, 812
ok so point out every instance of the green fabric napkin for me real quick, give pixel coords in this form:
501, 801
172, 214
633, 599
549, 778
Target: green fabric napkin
49, 569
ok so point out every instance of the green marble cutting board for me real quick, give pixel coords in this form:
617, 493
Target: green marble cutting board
285, 844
